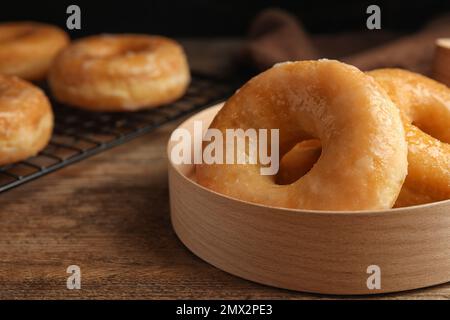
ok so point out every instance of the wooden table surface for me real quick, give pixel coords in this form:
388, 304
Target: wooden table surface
110, 215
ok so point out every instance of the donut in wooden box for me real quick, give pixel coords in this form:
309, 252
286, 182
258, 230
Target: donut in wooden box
367, 252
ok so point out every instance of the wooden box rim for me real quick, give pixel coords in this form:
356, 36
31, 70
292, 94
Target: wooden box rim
185, 218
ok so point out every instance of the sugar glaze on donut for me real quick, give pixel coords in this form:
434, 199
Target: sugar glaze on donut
26, 120
425, 103
27, 49
120, 72
364, 159
425, 109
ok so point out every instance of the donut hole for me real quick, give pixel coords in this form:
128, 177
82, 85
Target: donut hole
433, 118
434, 131
298, 161
133, 48
424, 128
114, 48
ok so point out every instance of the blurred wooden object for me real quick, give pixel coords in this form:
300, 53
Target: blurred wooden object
414, 52
441, 62
276, 36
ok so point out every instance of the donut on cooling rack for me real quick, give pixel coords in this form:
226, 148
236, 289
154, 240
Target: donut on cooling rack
120, 73
364, 159
26, 120
28, 48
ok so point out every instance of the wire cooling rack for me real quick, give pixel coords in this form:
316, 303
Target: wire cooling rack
80, 134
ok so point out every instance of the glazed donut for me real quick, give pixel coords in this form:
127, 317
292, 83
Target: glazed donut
364, 159
120, 73
425, 108
28, 48
423, 102
26, 120
298, 161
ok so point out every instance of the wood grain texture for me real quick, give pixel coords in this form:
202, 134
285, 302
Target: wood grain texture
110, 215
322, 252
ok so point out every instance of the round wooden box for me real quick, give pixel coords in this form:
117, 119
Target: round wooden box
311, 251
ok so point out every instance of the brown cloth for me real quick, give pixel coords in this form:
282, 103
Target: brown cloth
277, 36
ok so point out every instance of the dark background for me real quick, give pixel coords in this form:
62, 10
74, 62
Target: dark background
201, 18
